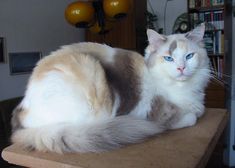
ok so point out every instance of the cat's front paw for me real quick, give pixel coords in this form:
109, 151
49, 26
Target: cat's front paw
163, 111
186, 120
199, 114
198, 109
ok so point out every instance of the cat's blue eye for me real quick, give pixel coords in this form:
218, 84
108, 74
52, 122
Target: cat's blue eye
168, 58
189, 56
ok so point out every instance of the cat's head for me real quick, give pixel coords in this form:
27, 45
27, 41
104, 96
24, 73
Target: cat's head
178, 56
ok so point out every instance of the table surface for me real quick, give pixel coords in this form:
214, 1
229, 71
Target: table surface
182, 148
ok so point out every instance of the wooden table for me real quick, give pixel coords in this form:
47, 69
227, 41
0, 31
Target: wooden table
183, 148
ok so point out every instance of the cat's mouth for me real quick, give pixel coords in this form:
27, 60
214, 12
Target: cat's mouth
182, 77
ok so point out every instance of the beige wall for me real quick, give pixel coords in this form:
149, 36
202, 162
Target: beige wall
32, 25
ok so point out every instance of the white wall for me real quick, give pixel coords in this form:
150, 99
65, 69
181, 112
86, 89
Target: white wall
174, 9
32, 25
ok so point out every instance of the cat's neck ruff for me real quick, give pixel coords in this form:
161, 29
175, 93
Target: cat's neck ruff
188, 94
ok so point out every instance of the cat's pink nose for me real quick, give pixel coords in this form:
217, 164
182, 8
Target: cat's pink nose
181, 69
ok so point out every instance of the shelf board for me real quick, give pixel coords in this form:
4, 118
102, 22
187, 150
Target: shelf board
216, 55
215, 30
210, 8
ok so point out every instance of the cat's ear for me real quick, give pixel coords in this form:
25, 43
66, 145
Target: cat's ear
197, 33
155, 39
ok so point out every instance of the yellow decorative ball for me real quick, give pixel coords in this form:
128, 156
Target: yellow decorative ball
116, 8
80, 14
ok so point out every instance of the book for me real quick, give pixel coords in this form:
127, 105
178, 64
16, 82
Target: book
209, 42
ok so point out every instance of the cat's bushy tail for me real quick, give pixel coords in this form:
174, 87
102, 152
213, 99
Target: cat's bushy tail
95, 137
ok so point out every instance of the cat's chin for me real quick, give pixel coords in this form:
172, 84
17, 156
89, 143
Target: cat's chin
182, 78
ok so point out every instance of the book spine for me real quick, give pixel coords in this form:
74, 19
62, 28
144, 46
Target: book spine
214, 43
219, 42
208, 3
212, 18
203, 3
222, 42
191, 3
216, 19
218, 67
201, 17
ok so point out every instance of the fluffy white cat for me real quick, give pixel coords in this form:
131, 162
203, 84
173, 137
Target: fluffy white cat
91, 97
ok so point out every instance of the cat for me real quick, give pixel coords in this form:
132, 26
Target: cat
90, 97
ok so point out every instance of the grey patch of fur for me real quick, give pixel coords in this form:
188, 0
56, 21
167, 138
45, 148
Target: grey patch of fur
172, 47
29, 148
66, 145
124, 80
15, 121
118, 132
163, 111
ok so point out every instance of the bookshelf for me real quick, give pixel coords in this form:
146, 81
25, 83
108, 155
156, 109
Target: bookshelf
215, 14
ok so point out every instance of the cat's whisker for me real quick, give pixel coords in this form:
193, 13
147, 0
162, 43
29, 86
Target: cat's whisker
214, 76
217, 80
217, 77
222, 74
219, 73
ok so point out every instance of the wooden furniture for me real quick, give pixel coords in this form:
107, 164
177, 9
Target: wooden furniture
216, 15
129, 32
6, 108
183, 148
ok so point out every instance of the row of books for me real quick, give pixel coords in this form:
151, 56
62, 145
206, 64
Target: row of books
217, 64
215, 19
204, 3
214, 42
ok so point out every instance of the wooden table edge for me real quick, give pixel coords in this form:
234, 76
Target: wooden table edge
211, 146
